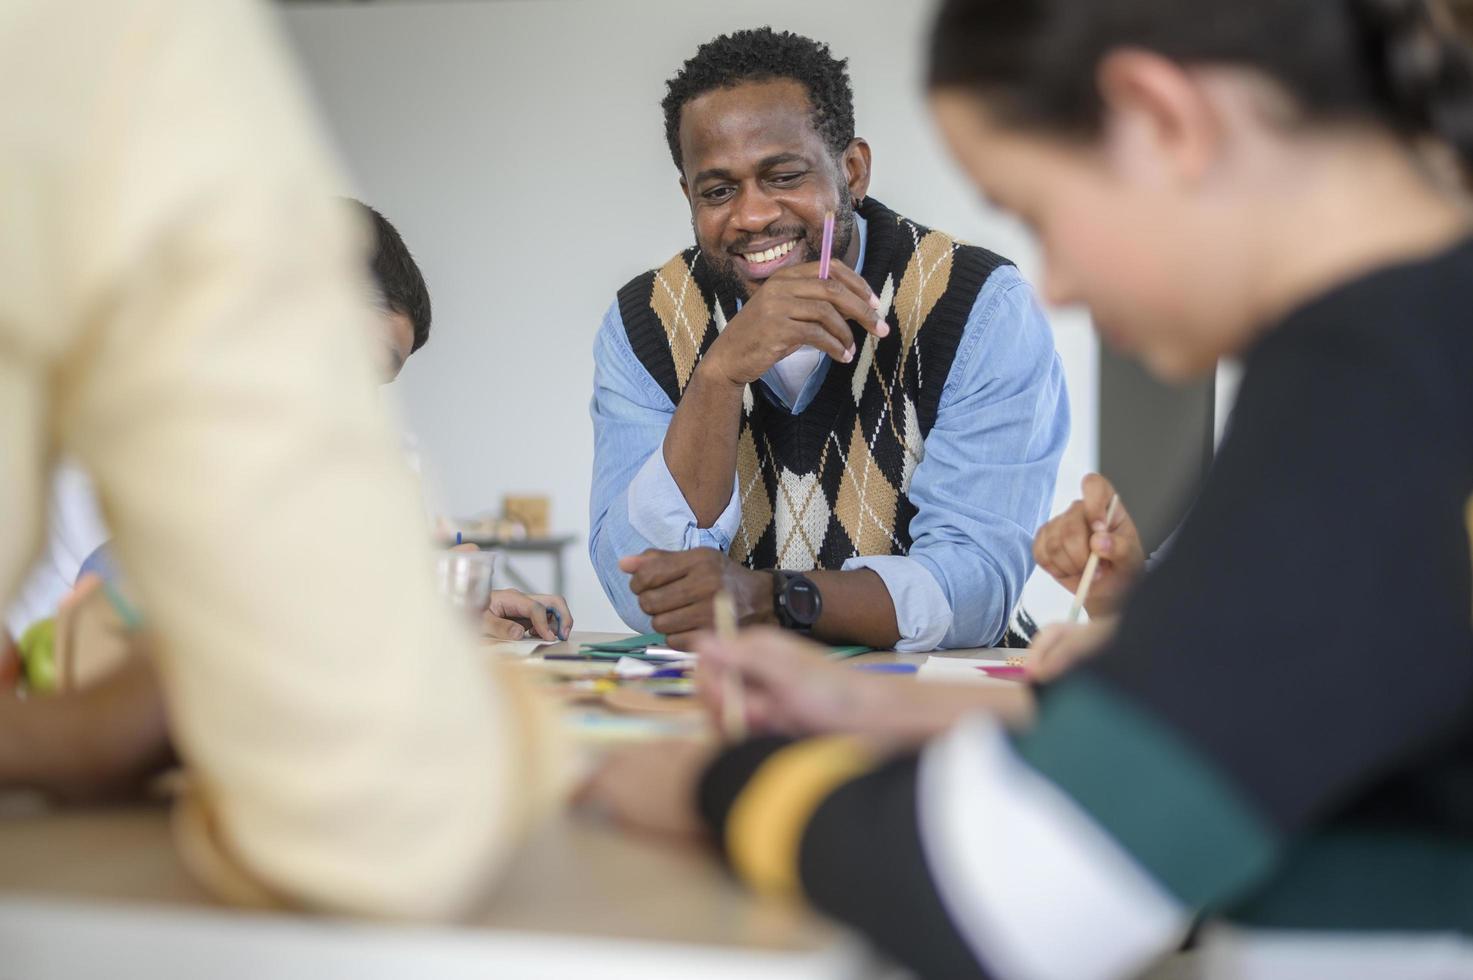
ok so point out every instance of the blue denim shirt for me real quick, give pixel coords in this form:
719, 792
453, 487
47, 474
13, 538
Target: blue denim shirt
983, 486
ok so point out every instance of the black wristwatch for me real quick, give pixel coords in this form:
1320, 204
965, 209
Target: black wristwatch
795, 600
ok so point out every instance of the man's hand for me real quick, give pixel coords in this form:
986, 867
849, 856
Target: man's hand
651, 787
675, 590
792, 309
1063, 545
510, 615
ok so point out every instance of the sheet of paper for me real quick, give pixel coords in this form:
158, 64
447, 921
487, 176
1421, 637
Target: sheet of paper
520, 648
952, 670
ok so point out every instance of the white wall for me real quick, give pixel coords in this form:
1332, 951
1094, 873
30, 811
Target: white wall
518, 146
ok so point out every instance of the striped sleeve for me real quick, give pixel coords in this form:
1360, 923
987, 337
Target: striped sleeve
960, 862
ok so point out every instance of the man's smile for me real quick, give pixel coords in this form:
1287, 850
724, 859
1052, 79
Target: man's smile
761, 259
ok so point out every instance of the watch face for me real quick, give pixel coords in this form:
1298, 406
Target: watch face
803, 602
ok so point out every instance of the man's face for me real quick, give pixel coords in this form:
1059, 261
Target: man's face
397, 340
759, 180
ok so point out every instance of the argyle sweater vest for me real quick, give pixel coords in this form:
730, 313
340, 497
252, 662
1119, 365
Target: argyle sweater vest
832, 482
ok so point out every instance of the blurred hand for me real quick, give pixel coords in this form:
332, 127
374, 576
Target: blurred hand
1063, 545
651, 787
675, 589
789, 687
1059, 647
510, 615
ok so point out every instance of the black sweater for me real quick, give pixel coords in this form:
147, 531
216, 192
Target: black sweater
1281, 731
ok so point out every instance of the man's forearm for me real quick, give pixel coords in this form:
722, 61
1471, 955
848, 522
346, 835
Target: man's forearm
700, 445
857, 608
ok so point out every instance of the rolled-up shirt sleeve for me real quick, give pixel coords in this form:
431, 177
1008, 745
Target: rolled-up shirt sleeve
658, 511
636, 503
986, 480
922, 610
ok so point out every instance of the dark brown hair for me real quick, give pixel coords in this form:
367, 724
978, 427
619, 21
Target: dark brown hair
1387, 61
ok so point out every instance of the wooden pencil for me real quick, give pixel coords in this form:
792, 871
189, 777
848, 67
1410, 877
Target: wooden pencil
1091, 566
733, 704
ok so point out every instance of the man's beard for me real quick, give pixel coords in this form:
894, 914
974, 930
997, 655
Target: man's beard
729, 282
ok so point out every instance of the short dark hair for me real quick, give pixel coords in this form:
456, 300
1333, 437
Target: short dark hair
398, 277
763, 55
1386, 61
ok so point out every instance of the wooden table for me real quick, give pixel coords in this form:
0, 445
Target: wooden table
88, 893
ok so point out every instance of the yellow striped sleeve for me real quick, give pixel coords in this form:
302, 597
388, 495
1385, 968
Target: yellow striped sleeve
766, 823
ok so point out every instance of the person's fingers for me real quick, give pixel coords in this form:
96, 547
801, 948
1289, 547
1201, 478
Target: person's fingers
559, 605
698, 587
1074, 544
1060, 646
1046, 546
542, 623
1040, 548
510, 604
1102, 543
630, 564
660, 568
833, 336
1097, 492
1042, 667
501, 629
869, 314
680, 625
1068, 541
1061, 560
682, 640
765, 656
838, 296
1044, 652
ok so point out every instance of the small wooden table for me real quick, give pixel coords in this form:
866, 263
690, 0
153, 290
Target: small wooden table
549, 547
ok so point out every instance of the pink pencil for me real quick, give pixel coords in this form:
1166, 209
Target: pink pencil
828, 246
1006, 673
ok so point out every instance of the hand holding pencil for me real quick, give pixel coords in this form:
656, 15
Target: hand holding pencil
805, 303
1088, 530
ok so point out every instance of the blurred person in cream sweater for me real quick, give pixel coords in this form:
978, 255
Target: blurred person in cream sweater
182, 312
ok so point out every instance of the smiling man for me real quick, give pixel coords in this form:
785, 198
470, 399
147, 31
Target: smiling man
863, 458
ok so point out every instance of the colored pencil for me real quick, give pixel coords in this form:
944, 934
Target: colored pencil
733, 703
826, 256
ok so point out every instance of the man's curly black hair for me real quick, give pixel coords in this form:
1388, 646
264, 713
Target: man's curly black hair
763, 55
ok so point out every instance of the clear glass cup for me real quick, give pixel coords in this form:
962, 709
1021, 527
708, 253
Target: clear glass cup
464, 578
